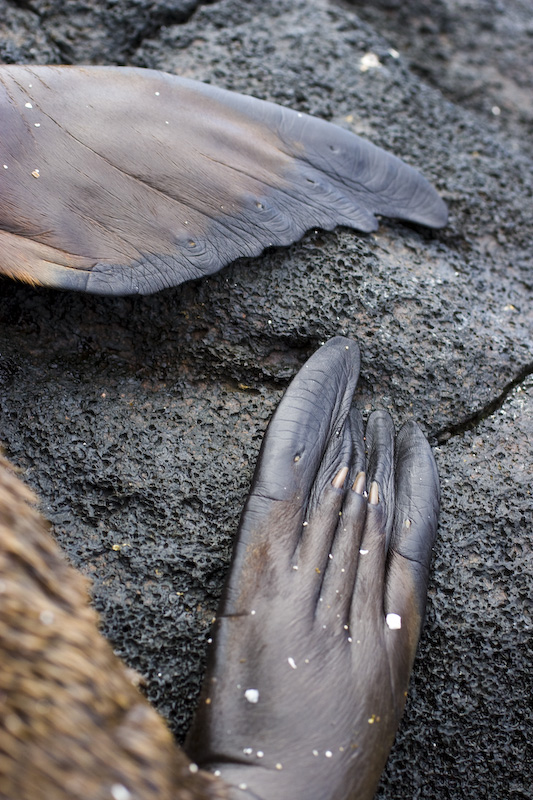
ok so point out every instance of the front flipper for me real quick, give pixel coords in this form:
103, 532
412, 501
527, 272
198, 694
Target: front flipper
318, 627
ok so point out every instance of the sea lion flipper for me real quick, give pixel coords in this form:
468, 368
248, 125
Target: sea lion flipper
126, 181
307, 677
417, 499
306, 441
380, 441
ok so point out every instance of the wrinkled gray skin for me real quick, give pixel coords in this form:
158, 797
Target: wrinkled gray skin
160, 466
129, 181
324, 602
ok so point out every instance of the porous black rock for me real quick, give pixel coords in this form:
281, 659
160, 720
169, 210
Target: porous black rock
138, 420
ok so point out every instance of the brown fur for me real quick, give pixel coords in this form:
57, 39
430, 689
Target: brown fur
72, 724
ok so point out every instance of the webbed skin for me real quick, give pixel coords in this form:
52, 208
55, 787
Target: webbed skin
325, 599
120, 180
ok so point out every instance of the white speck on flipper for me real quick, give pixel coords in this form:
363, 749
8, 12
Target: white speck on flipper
292, 663
363, 552
28, 105
193, 767
394, 621
252, 695
119, 792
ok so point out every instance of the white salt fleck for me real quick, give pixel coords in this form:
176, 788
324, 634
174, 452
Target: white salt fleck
306, 524
217, 773
36, 173
260, 754
119, 792
295, 566
369, 61
394, 53
157, 94
315, 752
324, 627
363, 552
306, 661
407, 523
28, 105
328, 753
37, 124
350, 639
279, 766
346, 627
193, 767
394, 621
496, 110
209, 641
46, 617
252, 695
247, 751
292, 662
252, 612
243, 786
5, 166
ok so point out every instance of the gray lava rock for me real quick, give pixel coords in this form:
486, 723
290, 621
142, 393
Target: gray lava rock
478, 54
138, 420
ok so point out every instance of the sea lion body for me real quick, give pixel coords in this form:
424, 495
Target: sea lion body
72, 723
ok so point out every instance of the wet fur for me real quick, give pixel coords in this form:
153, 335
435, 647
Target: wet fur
72, 722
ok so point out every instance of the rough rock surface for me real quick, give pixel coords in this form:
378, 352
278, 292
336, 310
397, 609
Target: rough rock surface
138, 420
480, 54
